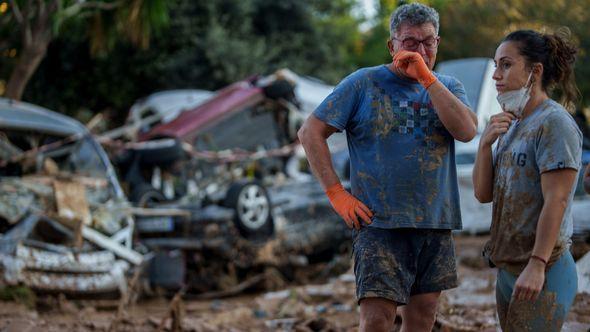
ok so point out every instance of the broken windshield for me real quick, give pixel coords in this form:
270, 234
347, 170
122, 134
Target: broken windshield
26, 153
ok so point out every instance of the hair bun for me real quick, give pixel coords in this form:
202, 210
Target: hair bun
560, 45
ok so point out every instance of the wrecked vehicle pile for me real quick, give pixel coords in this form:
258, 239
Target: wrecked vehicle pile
222, 161
242, 132
211, 210
66, 225
223, 151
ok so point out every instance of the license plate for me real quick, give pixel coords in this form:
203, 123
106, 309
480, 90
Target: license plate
155, 224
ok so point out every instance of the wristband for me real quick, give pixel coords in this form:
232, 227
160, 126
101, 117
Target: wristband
540, 259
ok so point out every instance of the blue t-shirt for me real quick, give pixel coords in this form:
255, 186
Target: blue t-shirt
402, 157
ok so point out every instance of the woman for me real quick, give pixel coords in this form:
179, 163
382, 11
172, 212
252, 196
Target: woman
530, 177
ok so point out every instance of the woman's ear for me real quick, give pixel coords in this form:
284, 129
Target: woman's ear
537, 72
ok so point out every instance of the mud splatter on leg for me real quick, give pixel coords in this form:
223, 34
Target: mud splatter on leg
544, 314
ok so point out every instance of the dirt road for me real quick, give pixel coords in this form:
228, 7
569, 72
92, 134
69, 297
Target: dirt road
324, 307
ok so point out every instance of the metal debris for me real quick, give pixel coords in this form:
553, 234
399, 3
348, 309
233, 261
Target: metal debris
64, 227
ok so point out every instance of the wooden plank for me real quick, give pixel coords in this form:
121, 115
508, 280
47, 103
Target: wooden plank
70, 198
72, 206
147, 212
104, 242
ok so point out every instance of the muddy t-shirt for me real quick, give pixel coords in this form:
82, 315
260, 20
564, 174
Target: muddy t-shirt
402, 157
546, 140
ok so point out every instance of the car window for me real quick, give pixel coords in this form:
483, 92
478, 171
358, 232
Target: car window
249, 129
85, 160
78, 158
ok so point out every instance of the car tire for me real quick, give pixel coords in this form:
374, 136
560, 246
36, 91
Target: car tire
252, 207
160, 151
145, 196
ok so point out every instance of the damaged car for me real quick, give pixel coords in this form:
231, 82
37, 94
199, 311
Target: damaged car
65, 224
224, 163
224, 152
164, 106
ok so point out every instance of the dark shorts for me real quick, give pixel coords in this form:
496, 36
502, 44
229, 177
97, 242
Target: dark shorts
397, 263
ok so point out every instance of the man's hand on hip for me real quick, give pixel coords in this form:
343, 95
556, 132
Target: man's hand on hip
412, 64
348, 207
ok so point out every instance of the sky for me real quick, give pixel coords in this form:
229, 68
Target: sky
367, 8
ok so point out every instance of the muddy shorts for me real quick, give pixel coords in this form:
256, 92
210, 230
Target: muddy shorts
397, 263
548, 312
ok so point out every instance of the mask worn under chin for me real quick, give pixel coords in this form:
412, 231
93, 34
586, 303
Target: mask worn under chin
514, 101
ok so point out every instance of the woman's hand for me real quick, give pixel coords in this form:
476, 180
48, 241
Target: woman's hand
497, 126
530, 282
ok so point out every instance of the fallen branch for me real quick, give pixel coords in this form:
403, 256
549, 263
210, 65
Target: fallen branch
175, 312
234, 290
125, 299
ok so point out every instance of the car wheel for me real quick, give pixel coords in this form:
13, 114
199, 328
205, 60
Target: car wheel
252, 207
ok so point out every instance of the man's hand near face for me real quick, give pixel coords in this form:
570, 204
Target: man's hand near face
412, 65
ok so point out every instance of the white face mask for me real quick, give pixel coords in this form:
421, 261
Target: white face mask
514, 101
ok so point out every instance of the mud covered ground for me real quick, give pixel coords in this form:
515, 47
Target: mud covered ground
323, 307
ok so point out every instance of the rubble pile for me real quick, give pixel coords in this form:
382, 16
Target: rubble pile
65, 225
52, 242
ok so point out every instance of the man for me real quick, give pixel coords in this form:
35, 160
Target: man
401, 120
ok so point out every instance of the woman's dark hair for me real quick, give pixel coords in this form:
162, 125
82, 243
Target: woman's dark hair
557, 54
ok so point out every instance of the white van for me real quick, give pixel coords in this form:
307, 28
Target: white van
476, 76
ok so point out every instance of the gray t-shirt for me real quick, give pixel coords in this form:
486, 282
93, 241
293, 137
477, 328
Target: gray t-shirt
546, 140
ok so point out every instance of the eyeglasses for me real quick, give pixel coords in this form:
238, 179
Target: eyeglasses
412, 44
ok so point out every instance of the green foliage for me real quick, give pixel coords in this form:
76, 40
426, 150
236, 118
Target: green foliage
208, 44
19, 294
70, 80
474, 28
231, 39
495, 19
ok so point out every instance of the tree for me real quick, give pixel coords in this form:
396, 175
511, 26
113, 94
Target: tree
372, 48
207, 45
214, 43
39, 22
474, 28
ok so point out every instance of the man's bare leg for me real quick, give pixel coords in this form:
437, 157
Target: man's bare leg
420, 313
377, 315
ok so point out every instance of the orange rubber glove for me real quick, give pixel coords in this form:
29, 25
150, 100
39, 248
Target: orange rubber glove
414, 66
348, 207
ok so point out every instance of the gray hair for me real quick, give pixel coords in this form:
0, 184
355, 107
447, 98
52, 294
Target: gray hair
412, 14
